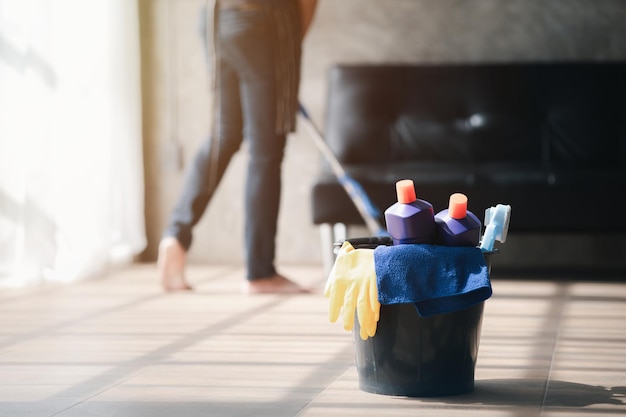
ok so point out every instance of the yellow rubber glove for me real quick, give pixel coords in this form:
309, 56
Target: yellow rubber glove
352, 286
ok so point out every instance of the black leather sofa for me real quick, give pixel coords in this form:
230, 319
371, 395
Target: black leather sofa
547, 138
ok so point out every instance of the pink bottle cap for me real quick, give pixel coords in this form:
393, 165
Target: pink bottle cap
406, 191
457, 209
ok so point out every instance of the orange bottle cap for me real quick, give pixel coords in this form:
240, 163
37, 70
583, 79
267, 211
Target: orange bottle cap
406, 191
457, 209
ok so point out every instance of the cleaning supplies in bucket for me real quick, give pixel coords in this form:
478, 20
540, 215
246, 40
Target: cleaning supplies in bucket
436, 278
418, 306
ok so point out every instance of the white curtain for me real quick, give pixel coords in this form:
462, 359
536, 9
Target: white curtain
71, 174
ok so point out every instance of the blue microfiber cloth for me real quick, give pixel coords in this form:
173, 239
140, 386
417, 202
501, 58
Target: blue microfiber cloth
437, 279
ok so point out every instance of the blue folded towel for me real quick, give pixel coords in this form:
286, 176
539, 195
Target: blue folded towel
437, 279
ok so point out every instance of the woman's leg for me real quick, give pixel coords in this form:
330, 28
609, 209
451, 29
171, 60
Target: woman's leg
202, 178
251, 51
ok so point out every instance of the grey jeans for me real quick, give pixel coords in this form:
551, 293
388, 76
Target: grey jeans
245, 108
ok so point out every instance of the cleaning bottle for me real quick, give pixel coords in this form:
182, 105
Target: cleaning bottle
410, 220
456, 225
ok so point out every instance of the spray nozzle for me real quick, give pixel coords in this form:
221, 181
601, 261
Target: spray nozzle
496, 226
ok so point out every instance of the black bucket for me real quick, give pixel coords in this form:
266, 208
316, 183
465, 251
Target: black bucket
417, 356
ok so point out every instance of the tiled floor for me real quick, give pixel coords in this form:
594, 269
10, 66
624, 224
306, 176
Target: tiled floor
118, 346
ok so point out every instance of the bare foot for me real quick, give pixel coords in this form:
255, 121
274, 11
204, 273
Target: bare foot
276, 284
171, 265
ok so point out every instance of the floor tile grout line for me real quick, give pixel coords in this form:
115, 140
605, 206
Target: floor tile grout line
560, 302
322, 392
89, 397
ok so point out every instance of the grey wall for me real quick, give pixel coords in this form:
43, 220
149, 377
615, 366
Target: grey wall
177, 98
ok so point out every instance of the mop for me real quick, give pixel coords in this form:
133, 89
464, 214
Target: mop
368, 211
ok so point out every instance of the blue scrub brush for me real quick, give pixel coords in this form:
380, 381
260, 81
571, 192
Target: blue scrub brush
496, 226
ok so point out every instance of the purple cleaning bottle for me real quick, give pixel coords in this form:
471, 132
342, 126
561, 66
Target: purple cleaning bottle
410, 220
457, 226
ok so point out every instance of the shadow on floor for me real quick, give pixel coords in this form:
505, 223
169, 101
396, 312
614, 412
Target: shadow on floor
521, 392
